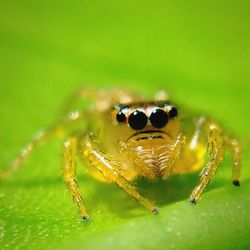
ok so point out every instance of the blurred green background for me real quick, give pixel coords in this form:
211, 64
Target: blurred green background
199, 51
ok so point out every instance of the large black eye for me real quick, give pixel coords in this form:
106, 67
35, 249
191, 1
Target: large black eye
120, 117
137, 120
158, 118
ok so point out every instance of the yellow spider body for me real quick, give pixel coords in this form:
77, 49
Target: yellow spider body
127, 136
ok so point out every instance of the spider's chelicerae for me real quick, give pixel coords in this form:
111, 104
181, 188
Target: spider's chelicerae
126, 136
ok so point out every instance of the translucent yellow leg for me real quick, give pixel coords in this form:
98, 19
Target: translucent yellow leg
216, 153
236, 148
58, 129
70, 151
109, 169
102, 99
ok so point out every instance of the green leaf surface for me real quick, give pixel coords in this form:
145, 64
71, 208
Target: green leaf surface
198, 51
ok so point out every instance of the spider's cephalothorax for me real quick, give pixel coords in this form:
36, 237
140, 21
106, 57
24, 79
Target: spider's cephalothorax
152, 128
136, 138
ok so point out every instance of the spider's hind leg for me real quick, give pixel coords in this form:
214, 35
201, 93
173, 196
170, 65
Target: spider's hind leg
57, 130
40, 137
100, 99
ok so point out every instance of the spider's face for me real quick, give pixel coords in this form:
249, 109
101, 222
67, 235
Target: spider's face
146, 122
148, 131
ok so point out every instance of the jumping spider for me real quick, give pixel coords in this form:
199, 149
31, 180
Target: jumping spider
126, 136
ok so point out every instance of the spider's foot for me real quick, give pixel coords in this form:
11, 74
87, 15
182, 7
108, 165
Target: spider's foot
155, 210
236, 183
85, 217
193, 200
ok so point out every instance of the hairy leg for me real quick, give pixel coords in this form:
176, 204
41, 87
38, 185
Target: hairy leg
58, 129
161, 96
109, 168
70, 152
234, 145
216, 155
100, 99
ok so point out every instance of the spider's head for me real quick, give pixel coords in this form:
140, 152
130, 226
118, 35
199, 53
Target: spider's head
147, 122
147, 133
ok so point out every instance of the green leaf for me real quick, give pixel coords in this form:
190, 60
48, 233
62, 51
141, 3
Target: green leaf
198, 51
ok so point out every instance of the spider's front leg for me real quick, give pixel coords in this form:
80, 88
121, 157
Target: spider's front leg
216, 155
109, 168
70, 152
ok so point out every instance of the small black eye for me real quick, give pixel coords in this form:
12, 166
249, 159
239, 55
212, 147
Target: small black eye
120, 117
158, 118
137, 120
173, 112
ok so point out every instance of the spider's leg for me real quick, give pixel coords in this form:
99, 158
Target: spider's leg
216, 154
58, 129
161, 95
100, 99
109, 168
70, 152
234, 145
78, 95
